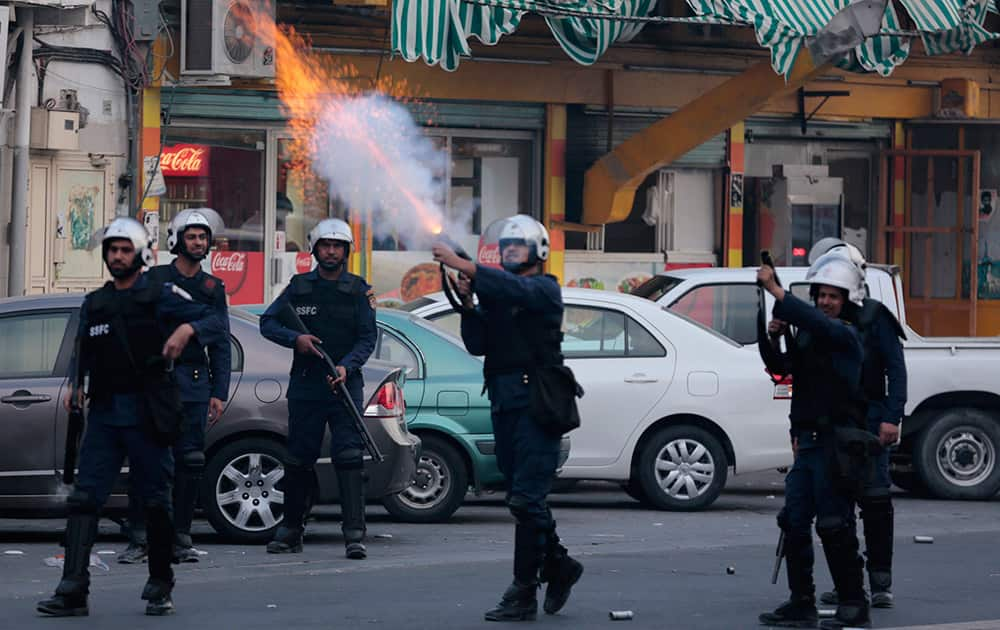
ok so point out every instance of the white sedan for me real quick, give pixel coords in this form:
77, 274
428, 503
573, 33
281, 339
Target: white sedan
670, 404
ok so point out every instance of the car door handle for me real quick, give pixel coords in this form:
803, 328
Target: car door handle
25, 399
640, 378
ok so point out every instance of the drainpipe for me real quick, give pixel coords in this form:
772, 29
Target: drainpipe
22, 158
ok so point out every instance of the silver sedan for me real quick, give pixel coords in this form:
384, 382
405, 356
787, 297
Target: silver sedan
241, 493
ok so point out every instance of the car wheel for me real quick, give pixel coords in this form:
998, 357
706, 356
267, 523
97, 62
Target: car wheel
241, 492
956, 455
682, 468
438, 486
634, 489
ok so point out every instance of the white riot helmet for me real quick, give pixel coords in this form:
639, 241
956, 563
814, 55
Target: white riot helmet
333, 229
842, 247
836, 270
523, 230
129, 229
192, 217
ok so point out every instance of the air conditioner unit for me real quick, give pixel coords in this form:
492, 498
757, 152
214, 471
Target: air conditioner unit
218, 37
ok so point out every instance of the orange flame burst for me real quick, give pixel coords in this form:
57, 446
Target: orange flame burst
308, 82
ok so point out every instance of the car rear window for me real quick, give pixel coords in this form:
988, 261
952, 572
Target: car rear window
656, 287
418, 303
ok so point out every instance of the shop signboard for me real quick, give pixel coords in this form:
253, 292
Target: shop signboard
185, 160
243, 273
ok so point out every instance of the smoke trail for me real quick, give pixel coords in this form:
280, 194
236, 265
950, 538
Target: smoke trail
377, 160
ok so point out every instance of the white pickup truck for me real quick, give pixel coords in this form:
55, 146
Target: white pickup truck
951, 429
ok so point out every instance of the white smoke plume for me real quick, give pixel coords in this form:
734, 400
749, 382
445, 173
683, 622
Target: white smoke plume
377, 160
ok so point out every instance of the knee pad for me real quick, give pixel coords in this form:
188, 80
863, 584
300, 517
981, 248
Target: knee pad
80, 502
192, 463
832, 526
349, 459
521, 509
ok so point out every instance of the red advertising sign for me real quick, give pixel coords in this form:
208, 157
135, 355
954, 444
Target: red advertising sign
489, 255
243, 273
185, 160
303, 262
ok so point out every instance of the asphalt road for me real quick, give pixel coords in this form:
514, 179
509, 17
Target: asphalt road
669, 569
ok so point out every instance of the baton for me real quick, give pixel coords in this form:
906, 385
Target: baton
75, 423
779, 553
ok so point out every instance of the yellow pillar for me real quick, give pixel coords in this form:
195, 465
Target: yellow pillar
554, 209
734, 198
610, 184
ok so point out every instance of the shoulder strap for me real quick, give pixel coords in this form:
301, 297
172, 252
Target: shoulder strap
300, 285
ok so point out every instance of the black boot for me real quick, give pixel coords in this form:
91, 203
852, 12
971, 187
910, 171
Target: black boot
519, 603
137, 549
560, 572
352, 509
70, 598
878, 515
800, 609
841, 548
157, 591
185, 498
295, 485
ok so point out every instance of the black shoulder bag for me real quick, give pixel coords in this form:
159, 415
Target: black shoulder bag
554, 391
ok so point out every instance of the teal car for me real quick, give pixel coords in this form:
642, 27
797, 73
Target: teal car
447, 408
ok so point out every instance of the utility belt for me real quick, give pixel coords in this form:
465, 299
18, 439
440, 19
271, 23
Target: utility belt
851, 454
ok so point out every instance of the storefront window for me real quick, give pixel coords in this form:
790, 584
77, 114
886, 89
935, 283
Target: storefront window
222, 170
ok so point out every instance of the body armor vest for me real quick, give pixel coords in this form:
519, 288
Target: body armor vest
873, 369
201, 286
821, 393
112, 315
517, 339
330, 311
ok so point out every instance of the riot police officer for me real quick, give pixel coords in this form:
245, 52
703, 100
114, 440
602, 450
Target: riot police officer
334, 306
825, 358
517, 326
883, 376
129, 329
202, 374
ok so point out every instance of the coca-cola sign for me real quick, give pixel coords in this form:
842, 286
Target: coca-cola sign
243, 273
235, 262
185, 160
303, 262
489, 255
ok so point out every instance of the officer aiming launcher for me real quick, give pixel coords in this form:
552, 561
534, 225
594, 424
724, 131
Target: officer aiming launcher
292, 320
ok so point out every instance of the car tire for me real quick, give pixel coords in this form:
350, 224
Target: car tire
438, 487
634, 489
682, 468
955, 455
231, 509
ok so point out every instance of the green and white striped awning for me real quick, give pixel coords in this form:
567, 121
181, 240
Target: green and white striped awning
438, 31
783, 26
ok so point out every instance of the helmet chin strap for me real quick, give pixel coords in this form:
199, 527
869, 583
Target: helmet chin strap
192, 257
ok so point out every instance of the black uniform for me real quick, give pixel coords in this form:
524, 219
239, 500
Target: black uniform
517, 327
884, 382
340, 314
202, 372
122, 333
825, 360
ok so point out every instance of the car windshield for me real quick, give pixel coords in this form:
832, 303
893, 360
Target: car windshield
656, 287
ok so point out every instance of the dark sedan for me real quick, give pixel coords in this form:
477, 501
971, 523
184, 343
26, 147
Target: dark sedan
242, 492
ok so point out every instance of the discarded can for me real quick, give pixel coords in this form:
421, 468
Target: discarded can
730, 570
827, 612
619, 615
928, 540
